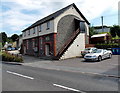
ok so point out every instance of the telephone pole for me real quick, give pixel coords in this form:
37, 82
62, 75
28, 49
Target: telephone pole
102, 22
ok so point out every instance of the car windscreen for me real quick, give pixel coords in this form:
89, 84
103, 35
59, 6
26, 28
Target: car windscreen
87, 49
97, 51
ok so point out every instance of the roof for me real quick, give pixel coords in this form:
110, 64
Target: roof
99, 35
54, 15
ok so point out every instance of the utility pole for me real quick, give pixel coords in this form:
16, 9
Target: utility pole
102, 22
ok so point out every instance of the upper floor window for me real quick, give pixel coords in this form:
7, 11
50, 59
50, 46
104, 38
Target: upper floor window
33, 30
24, 33
82, 27
28, 32
48, 25
40, 28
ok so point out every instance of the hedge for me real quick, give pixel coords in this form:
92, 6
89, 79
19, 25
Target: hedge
110, 45
11, 58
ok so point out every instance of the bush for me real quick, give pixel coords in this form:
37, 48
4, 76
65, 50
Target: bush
18, 59
11, 58
110, 45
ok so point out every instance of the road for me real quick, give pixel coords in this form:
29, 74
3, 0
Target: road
26, 78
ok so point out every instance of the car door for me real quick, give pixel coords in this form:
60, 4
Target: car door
105, 53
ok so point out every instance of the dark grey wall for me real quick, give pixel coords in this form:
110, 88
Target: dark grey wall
65, 29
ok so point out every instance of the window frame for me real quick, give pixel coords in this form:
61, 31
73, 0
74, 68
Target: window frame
40, 28
48, 25
28, 32
25, 34
33, 30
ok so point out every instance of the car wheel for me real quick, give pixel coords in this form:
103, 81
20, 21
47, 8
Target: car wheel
110, 55
99, 58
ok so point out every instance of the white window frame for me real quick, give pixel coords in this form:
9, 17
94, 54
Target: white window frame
33, 30
36, 29
25, 34
40, 28
28, 32
48, 25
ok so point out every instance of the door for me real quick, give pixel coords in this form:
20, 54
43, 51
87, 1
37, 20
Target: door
105, 53
47, 49
24, 49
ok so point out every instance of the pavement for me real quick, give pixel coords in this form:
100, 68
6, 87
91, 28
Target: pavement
108, 67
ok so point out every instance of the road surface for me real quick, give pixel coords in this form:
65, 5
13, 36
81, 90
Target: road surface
26, 78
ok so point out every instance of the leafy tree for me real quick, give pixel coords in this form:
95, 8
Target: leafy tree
14, 37
92, 31
4, 37
9, 40
118, 30
115, 31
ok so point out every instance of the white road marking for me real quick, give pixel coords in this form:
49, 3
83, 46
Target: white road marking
68, 88
19, 75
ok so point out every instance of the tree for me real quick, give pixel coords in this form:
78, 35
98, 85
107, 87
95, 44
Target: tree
4, 37
118, 30
92, 31
115, 31
14, 37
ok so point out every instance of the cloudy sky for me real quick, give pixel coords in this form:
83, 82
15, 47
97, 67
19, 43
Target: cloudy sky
19, 14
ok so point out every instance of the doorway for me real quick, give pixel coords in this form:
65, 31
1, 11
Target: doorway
24, 50
47, 49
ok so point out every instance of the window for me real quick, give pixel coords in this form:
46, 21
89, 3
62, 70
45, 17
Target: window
33, 43
33, 30
27, 44
28, 32
24, 33
48, 25
82, 27
40, 28
41, 43
47, 38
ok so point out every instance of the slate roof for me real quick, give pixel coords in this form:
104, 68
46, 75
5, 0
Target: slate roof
54, 15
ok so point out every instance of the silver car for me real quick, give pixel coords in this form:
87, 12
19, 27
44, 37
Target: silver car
98, 55
88, 50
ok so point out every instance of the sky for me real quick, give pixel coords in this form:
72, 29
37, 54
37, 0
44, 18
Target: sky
16, 15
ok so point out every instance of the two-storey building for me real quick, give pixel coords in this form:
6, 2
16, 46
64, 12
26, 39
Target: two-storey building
60, 35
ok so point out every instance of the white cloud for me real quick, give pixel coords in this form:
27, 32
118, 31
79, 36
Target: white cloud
16, 20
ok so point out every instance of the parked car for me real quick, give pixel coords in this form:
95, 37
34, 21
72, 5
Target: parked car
13, 50
88, 50
9, 49
98, 55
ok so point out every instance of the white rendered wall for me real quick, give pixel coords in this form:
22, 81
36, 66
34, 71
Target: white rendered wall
44, 30
76, 47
